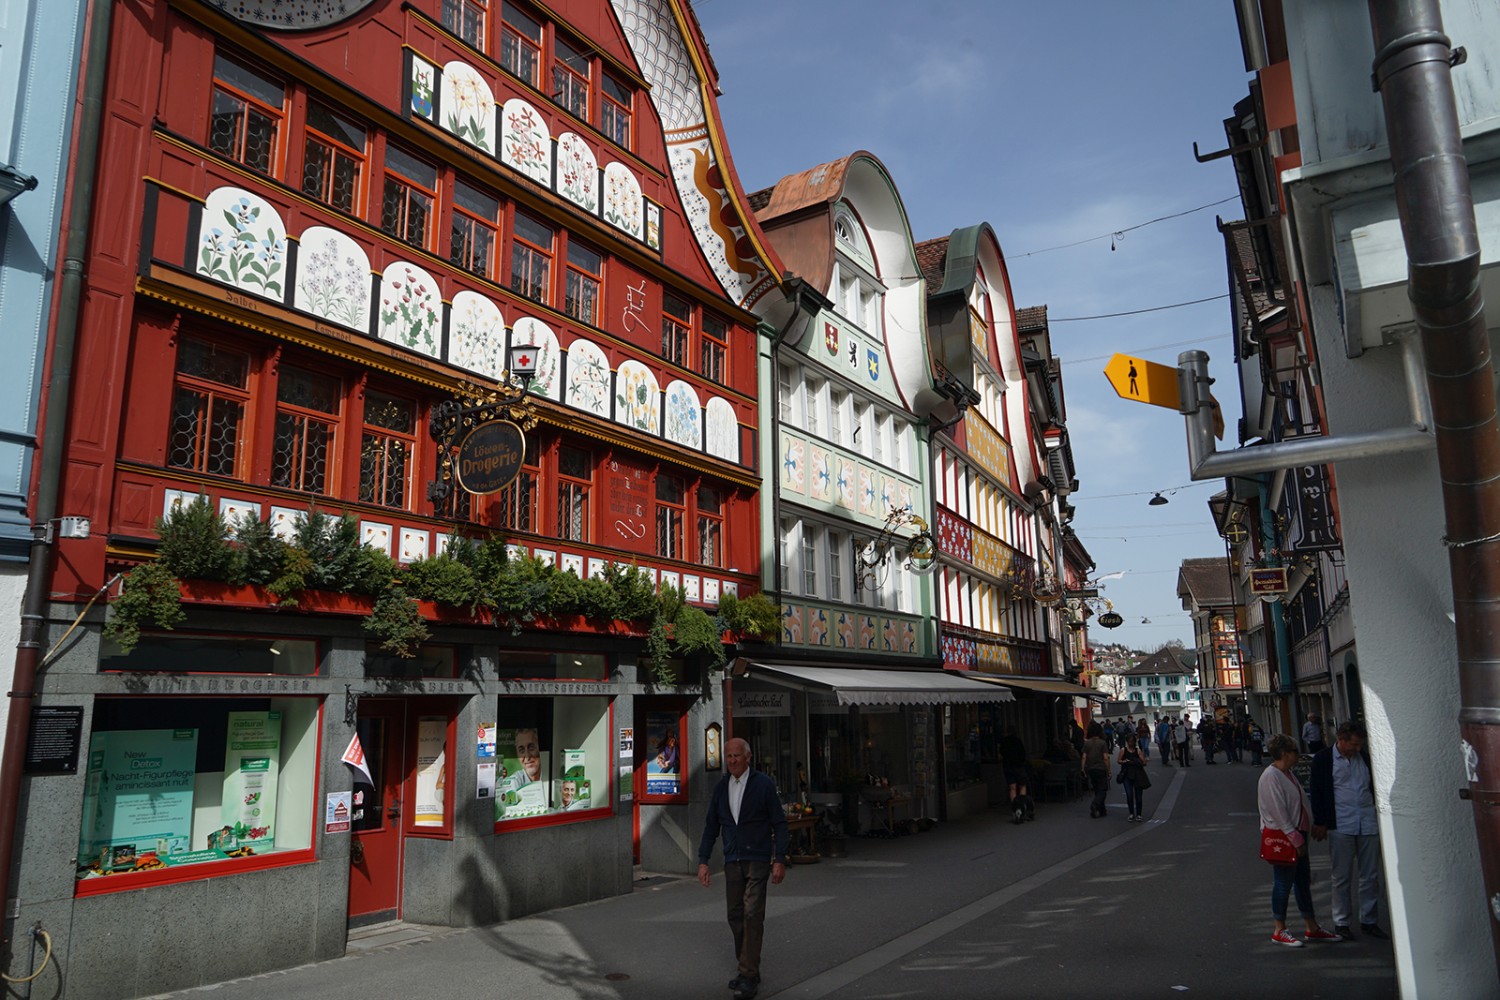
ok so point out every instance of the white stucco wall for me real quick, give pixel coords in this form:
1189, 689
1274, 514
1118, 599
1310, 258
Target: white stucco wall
12, 589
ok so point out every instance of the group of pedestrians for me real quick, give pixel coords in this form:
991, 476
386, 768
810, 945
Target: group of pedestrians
1130, 757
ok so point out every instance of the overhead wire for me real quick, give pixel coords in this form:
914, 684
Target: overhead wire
1118, 233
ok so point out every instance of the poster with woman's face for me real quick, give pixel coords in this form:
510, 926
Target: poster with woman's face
664, 760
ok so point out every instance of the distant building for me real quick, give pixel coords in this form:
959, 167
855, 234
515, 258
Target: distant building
1162, 683
1207, 595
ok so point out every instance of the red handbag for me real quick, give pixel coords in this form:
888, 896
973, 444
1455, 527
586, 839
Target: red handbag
1276, 847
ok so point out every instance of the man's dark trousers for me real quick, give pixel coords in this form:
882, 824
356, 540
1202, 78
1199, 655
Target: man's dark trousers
745, 885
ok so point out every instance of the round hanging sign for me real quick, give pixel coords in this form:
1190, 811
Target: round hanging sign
490, 457
1111, 619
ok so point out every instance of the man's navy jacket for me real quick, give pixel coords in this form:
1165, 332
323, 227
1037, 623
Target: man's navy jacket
1320, 786
761, 817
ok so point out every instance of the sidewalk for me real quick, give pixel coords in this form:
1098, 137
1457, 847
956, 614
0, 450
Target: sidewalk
1056, 908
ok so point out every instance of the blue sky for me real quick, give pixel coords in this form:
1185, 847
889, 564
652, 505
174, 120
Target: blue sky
1054, 122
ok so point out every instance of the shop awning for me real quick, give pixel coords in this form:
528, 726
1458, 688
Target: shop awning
860, 686
1042, 685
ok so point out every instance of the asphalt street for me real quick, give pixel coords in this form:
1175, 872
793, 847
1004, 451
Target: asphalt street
1061, 907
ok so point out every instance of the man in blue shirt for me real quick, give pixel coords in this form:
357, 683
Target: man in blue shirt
1343, 805
745, 809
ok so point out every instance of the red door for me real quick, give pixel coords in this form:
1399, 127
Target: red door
375, 849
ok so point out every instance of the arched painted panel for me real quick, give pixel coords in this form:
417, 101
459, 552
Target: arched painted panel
410, 309
622, 199
577, 172
468, 106
721, 430
333, 278
525, 143
637, 397
242, 242
684, 415
549, 356
476, 335
588, 378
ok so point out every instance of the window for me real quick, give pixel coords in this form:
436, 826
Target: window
333, 158
246, 117
515, 507
570, 78
811, 536
307, 410
475, 216
575, 474
465, 18
385, 454
787, 533
714, 348
581, 288
614, 110
409, 195
837, 401
554, 753
671, 510
835, 566
520, 43
531, 259
225, 779
676, 323
710, 526
812, 390
208, 408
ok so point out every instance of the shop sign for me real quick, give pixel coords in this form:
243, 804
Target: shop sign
1111, 619
56, 734
762, 704
664, 766
490, 457
1268, 581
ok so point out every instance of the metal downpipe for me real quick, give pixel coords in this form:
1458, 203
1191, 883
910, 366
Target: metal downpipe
1412, 72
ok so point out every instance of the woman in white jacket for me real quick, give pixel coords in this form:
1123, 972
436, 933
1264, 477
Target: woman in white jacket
1284, 806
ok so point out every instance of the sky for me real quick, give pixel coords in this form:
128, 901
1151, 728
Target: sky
1055, 123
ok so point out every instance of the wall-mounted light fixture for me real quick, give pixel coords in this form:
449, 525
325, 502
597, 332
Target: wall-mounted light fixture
13, 182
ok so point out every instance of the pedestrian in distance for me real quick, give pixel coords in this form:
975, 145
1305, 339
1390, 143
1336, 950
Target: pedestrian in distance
1185, 741
1108, 732
1343, 811
1229, 737
1206, 738
1095, 767
1284, 806
745, 810
1164, 740
1312, 733
1143, 737
1133, 776
1017, 776
1257, 741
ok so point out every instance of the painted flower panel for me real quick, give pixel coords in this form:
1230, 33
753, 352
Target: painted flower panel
844, 483
867, 492
888, 635
588, 378
577, 172
821, 478
845, 630
333, 278
410, 309
622, 199
721, 430
525, 143
684, 415
908, 637
476, 338
468, 106
532, 331
242, 242
866, 631
817, 627
791, 623
637, 398
794, 465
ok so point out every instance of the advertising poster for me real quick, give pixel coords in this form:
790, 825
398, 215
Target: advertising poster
432, 763
487, 761
575, 782
252, 767
338, 812
138, 805
664, 766
520, 788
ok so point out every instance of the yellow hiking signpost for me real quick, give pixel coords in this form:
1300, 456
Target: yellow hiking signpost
1143, 381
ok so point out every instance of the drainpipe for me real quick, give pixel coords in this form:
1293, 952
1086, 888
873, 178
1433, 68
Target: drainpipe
1412, 72
54, 433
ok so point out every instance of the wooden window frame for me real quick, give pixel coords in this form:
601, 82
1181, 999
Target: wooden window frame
616, 116
708, 520
510, 502
337, 148
410, 188
459, 16
566, 84
676, 329
305, 414
466, 222
387, 436
713, 349
527, 256
248, 103
670, 518
510, 35
578, 281
573, 489
210, 392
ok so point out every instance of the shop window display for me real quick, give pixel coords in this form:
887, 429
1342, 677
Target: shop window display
174, 782
553, 757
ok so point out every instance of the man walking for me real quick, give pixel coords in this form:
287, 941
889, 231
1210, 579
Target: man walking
1164, 740
1343, 807
1185, 742
1312, 733
745, 808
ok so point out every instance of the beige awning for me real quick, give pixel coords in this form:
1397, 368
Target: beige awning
869, 686
1042, 685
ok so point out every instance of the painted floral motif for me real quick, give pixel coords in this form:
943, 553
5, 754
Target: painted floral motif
333, 278
821, 478
794, 465
845, 627
476, 338
242, 242
588, 378
410, 308
684, 415
525, 141
423, 74
721, 430
817, 627
653, 226
532, 331
622, 199
888, 635
908, 637
844, 482
468, 106
866, 631
867, 491
791, 623
903, 495
887, 493
577, 172
637, 397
